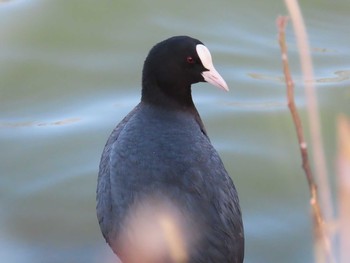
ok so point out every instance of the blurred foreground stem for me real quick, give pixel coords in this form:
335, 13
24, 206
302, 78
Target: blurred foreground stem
343, 166
322, 240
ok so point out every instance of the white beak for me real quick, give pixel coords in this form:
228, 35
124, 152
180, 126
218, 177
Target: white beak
211, 75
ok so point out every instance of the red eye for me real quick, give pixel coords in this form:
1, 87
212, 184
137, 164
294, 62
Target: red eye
190, 60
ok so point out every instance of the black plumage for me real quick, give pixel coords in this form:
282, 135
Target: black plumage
160, 153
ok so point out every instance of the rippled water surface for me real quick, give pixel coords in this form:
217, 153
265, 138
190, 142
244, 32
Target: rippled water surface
69, 72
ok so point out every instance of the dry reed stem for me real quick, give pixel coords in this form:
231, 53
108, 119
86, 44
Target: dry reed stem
322, 244
343, 165
312, 107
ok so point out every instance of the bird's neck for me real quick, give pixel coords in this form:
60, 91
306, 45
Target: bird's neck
171, 97
155, 96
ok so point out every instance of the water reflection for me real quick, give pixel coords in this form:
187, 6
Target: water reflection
35, 123
341, 75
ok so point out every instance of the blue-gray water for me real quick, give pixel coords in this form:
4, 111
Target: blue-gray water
69, 72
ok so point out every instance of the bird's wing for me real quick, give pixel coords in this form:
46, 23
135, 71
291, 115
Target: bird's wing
104, 205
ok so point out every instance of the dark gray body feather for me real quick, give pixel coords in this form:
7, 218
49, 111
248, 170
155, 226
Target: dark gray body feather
167, 151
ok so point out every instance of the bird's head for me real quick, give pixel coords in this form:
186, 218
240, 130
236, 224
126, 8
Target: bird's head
174, 64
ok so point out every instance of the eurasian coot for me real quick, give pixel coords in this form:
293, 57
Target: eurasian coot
163, 193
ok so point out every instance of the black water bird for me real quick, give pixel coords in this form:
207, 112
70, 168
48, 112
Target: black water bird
159, 157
